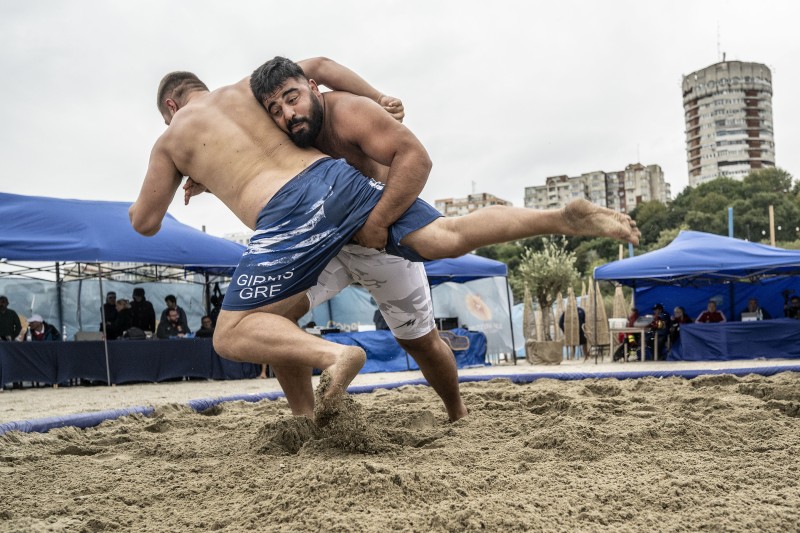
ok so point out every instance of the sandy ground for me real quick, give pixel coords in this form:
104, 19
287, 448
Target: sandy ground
713, 453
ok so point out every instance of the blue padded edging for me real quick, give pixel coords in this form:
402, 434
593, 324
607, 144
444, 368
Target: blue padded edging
85, 420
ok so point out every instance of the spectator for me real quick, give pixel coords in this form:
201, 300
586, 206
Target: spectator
122, 322
792, 309
10, 327
216, 304
658, 331
206, 328
627, 340
678, 318
172, 303
41, 330
753, 307
109, 313
143, 316
711, 315
581, 324
171, 327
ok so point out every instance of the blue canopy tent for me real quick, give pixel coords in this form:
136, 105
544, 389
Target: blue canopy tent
37, 228
41, 229
697, 267
465, 268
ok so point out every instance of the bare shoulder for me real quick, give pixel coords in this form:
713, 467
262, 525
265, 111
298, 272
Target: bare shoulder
344, 102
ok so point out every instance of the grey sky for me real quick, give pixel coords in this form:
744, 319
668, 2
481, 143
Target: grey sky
502, 94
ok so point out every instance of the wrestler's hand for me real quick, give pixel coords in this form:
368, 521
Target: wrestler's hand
393, 106
372, 236
192, 188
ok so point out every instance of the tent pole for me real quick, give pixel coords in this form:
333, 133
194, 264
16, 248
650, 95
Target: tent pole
103, 318
207, 294
511, 321
60, 302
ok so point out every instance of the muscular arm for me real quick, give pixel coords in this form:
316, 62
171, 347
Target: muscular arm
160, 183
331, 74
367, 127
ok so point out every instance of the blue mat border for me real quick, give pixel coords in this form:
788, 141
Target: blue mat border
86, 420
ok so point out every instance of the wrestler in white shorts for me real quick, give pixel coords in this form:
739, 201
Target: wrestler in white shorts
399, 286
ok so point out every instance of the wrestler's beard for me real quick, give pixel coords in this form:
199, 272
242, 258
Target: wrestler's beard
306, 137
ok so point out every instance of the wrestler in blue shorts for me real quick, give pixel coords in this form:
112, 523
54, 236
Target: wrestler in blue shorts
305, 225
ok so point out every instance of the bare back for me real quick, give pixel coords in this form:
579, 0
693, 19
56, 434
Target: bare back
226, 141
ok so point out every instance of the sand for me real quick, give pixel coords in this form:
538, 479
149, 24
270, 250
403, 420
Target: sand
714, 453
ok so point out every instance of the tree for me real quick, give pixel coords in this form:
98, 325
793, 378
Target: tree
546, 273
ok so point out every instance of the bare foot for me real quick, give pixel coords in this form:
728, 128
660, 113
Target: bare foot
334, 381
586, 219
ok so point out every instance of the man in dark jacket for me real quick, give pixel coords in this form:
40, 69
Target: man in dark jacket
171, 327
143, 316
172, 303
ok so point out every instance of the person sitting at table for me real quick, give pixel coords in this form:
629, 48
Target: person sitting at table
755, 310
122, 322
658, 331
792, 308
679, 318
10, 326
171, 327
206, 328
109, 314
711, 314
41, 330
172, 303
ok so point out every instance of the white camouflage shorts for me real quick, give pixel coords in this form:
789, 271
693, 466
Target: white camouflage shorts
399, 286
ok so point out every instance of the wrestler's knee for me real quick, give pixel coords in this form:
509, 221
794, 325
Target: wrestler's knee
224, 337
438, 240
427, 346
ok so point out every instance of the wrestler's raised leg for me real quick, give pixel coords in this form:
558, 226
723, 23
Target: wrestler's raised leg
452, 237
264, 336
438, 365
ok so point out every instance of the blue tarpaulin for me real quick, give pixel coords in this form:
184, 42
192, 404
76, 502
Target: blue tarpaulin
465, 268
37, 228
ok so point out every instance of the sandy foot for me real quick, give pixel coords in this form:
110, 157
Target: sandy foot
589, 220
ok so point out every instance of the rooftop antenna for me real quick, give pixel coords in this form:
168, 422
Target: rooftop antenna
719, 47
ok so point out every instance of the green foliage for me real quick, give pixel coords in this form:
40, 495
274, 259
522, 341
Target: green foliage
546, 272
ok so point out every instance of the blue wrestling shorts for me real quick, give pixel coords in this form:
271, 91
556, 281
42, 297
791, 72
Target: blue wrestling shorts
305, 225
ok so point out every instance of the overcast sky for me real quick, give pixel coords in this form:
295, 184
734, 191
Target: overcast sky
502, 94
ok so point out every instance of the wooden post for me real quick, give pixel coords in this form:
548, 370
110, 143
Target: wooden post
771, 226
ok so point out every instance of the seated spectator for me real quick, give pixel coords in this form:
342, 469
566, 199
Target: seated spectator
206, 328
122, 321
711, 315
172, 303
581, 324
792, 309
41, 330
753, 307
171, 327
678, 319
658, 331
109, 313
10, 326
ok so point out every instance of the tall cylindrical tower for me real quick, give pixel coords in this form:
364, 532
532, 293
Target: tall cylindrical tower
728, 112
